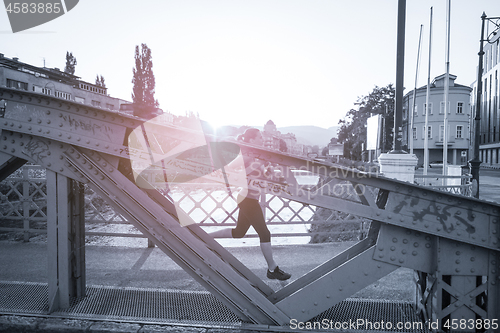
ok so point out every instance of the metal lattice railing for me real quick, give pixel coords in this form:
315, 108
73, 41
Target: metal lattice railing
23, 209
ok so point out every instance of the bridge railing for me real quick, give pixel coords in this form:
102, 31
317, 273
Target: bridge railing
23, 208
460, 184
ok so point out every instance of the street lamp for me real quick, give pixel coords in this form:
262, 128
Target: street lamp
475, 162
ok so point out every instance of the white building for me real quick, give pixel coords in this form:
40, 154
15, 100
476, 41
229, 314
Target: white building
53, 82
458, 121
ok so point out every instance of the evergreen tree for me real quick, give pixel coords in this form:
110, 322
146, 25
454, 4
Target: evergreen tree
143, 78
70, 63
99, 81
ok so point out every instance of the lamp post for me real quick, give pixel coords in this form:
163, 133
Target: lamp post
400, 50
475, 162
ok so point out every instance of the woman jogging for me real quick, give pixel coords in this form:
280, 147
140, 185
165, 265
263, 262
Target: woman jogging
250, 213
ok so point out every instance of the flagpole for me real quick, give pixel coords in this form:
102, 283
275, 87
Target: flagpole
410, 136
426, 126
446, 90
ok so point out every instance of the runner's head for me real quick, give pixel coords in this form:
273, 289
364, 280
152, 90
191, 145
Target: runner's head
252, 136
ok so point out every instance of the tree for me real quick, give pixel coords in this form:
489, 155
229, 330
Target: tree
143, 78
352, 132
99, 81
70, 63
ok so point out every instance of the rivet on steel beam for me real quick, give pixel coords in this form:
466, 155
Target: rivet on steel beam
71, 150
458, 253
394, 240
13, 150
48, 121
21, 144
60, 115
426, 225
29, 128
438, 228
78, 139
60, 156
401, 261
401, 220
60, 134
457, 261
84, 162
101, 177
48, 132
415, 244
403, 252
380, 255
405, 241
29, 119
393, 248
104, 164
97, 144
49, 164
96, 172
414, 253
87, 141
110, 169
61, 169
69, 137
393, 258
427, 245
328, 296
39, 121
472, 271
303, 311
106, 146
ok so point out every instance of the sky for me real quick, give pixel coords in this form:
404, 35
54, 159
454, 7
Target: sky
244, 62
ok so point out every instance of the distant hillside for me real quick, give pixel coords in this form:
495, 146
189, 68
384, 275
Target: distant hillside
311, 135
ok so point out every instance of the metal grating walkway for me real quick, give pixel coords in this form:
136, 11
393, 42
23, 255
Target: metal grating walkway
181, 307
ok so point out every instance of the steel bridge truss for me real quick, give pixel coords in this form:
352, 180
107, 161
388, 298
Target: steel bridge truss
450, 241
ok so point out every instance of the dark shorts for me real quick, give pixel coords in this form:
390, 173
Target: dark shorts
250, 214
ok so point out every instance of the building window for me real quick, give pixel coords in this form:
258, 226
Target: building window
441, 107
61, 94
110, 106
80, 100
17, 84
42, 90
429, 132
459, 131
425, 108
415, 113
96, 103
460, 108
414, 133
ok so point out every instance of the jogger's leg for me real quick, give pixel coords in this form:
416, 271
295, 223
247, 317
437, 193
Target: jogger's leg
223, 233
267, 251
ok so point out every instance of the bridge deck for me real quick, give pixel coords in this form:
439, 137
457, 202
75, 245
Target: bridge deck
182, 307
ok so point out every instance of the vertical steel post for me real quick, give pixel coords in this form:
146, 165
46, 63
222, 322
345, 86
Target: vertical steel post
475, 162
65, 240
